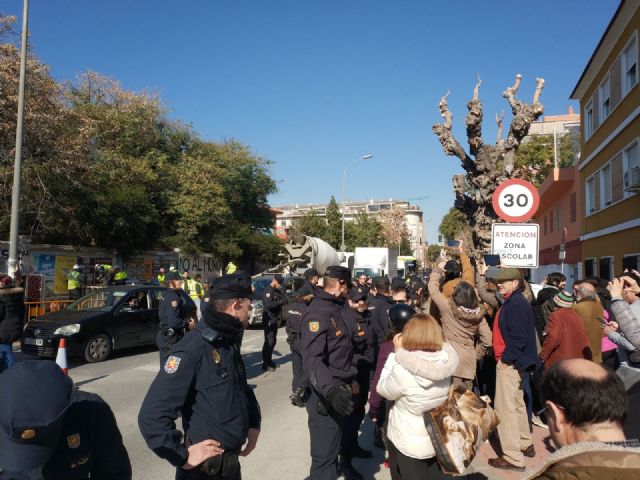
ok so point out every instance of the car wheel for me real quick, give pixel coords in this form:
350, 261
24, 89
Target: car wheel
97, 348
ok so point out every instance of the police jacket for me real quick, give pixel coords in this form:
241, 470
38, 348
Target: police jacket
362, 334
293, 313
379, 307
204, 378
90, 445
175, 309
326, 344
272, 301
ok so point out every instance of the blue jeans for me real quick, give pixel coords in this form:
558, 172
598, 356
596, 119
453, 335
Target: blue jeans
7, 359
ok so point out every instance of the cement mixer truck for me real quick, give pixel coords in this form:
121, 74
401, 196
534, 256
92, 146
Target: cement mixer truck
304, 252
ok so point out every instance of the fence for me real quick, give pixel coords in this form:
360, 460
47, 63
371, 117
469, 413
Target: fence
35, 309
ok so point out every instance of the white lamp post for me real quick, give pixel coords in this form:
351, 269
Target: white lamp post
343, 247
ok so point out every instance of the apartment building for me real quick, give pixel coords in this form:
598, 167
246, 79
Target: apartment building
609, 165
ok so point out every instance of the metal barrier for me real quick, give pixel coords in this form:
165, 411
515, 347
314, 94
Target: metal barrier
35, 309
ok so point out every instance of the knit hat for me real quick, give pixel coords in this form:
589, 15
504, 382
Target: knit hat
563, 300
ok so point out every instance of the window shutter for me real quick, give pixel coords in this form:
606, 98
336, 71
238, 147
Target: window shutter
573, 207
615, 83
596, 192
596, 110
617, 179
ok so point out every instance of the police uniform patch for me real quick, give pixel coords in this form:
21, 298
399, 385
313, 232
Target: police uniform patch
172, 364
215, 354
28, 434
174, 303
314, 326
73, 440
268, 295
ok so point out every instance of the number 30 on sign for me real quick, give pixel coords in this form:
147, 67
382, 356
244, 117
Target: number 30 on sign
515, 200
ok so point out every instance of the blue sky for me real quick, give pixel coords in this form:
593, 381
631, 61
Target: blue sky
312, 85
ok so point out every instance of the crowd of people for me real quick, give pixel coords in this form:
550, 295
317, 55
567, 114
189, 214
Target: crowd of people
567, 361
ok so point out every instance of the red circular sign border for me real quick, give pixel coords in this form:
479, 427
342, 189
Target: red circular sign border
516, 181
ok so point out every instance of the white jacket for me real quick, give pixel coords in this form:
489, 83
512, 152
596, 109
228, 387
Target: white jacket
417, 382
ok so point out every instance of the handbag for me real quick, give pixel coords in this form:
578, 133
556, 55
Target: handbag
459, 427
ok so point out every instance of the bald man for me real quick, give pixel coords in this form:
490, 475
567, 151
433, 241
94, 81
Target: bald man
585, 407
592, 314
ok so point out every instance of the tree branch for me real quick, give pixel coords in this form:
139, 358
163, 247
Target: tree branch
510, 93
450, 145
538, 92
474, 120
499, 122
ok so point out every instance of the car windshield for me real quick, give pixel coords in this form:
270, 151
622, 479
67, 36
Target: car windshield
369, 272
100, 300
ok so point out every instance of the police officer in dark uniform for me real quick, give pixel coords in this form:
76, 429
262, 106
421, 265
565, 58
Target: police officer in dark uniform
358, 319
177, 313
204, 378
311, 278
379, 307
273, 298
327, 356
293, 313
51, 431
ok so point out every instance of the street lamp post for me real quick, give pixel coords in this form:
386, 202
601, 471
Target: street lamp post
17, 168
343, 247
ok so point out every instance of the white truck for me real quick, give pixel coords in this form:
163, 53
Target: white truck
375, 262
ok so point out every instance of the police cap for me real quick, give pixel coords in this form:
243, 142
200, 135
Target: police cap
310, 273
236, 285
341, 273
278, 278
358, 294
34, 395
381, 283
306, 289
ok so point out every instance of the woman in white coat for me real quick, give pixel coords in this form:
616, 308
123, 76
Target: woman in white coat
416, 377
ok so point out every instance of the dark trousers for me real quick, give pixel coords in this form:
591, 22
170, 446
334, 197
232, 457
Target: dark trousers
325, 441
408, 468
350, 425
270, 336
300, 379
75, 294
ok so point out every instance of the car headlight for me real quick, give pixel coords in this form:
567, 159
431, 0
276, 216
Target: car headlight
67, 330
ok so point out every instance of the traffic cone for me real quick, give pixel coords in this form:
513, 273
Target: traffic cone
61, 357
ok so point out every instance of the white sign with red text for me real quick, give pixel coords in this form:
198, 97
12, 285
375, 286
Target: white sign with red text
516, 243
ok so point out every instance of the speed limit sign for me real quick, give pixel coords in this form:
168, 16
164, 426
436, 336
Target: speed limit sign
515, 200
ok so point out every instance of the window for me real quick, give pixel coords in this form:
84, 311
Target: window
589, 195
631, 160
373, 208
630, 65
631, 262
605, 99
551, 221
606, 268
606, 185
617, 178
558, 217
385, 206
573, 213
589, 267
588, 124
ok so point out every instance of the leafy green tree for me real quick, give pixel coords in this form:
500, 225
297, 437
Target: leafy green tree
433, 252
310, 224
334, 224
453, 224
364, 231
535, 157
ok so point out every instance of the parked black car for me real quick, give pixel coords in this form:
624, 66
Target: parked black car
106, 319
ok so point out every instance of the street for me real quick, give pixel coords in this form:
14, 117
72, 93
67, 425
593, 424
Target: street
283, 447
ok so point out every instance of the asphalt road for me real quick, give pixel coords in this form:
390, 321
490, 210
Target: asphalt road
283, 447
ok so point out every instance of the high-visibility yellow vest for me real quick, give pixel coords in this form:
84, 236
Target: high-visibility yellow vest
121, 275
160, 279
193, 288
73, 280
231, 268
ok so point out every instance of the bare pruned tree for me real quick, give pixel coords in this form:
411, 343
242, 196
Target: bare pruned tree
486, 165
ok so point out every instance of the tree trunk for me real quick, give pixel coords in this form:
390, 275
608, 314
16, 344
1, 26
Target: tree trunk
487, 165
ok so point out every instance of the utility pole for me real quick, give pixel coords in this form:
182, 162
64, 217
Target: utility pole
14, 264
